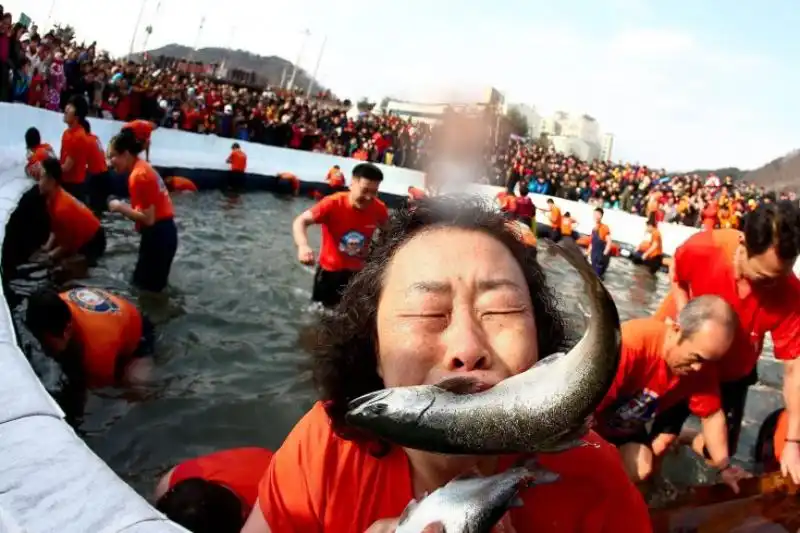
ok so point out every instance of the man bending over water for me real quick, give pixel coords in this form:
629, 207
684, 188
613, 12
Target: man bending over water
99, 339
752, 271
662, 364
75, 231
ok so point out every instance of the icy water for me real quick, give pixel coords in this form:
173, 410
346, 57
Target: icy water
230, 351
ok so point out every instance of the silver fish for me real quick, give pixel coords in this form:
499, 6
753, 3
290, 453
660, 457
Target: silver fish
544, 409
472, 504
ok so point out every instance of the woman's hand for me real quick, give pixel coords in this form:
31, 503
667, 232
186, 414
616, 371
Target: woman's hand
388, 525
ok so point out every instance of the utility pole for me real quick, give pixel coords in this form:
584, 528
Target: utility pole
316, 68
283, 78
197, 39
49, 16
306, 33
136, 27
148, 31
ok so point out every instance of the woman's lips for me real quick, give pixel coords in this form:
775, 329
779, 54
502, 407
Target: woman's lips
476, 383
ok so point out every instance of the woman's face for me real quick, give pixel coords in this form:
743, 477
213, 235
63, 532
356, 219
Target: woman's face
121, 161
454, 303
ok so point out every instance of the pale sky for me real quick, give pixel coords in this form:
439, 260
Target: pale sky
681, 83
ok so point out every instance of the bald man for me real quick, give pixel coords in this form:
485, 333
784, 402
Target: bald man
661, 364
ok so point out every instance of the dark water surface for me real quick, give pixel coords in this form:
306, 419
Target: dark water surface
228, 361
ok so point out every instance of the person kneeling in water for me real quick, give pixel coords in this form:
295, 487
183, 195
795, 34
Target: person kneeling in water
74, 229
179, 184
650, 251
99, 339
213, 493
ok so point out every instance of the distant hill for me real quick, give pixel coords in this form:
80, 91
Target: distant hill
735, 173
268, 69
779, 174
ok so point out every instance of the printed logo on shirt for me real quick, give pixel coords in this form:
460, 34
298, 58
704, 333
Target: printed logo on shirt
631, 414
92, 301
352, 243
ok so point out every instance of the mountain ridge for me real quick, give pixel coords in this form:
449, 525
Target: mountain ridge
268, 69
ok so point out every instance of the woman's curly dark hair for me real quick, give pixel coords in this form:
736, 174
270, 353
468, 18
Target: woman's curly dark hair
344, 362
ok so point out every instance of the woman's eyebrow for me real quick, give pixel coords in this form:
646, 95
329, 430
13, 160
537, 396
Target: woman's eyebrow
444, 287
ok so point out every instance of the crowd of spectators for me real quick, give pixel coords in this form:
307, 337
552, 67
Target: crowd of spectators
690, 199
46, 70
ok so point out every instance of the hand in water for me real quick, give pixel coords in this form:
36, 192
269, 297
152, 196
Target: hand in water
389, 525
731, 476
305, 255
790, 461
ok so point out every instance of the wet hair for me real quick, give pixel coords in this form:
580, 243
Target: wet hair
368, 171
774, 224
599, 210
126, 141
344, 362
32, 138
700, 310
203, 507
52, 169
47, 314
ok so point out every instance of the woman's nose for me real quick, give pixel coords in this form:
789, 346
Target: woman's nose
467, 345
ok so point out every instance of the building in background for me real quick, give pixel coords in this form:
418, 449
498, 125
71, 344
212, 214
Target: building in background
574, 134
535, 120
490, 100
607, 147
485, 107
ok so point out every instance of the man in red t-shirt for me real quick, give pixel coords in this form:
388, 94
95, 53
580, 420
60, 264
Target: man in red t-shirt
348, 220
752, 271
662, 364
213, 493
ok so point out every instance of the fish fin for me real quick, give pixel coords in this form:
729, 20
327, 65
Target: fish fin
516, 501
460, 385
407, 511
571, 439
